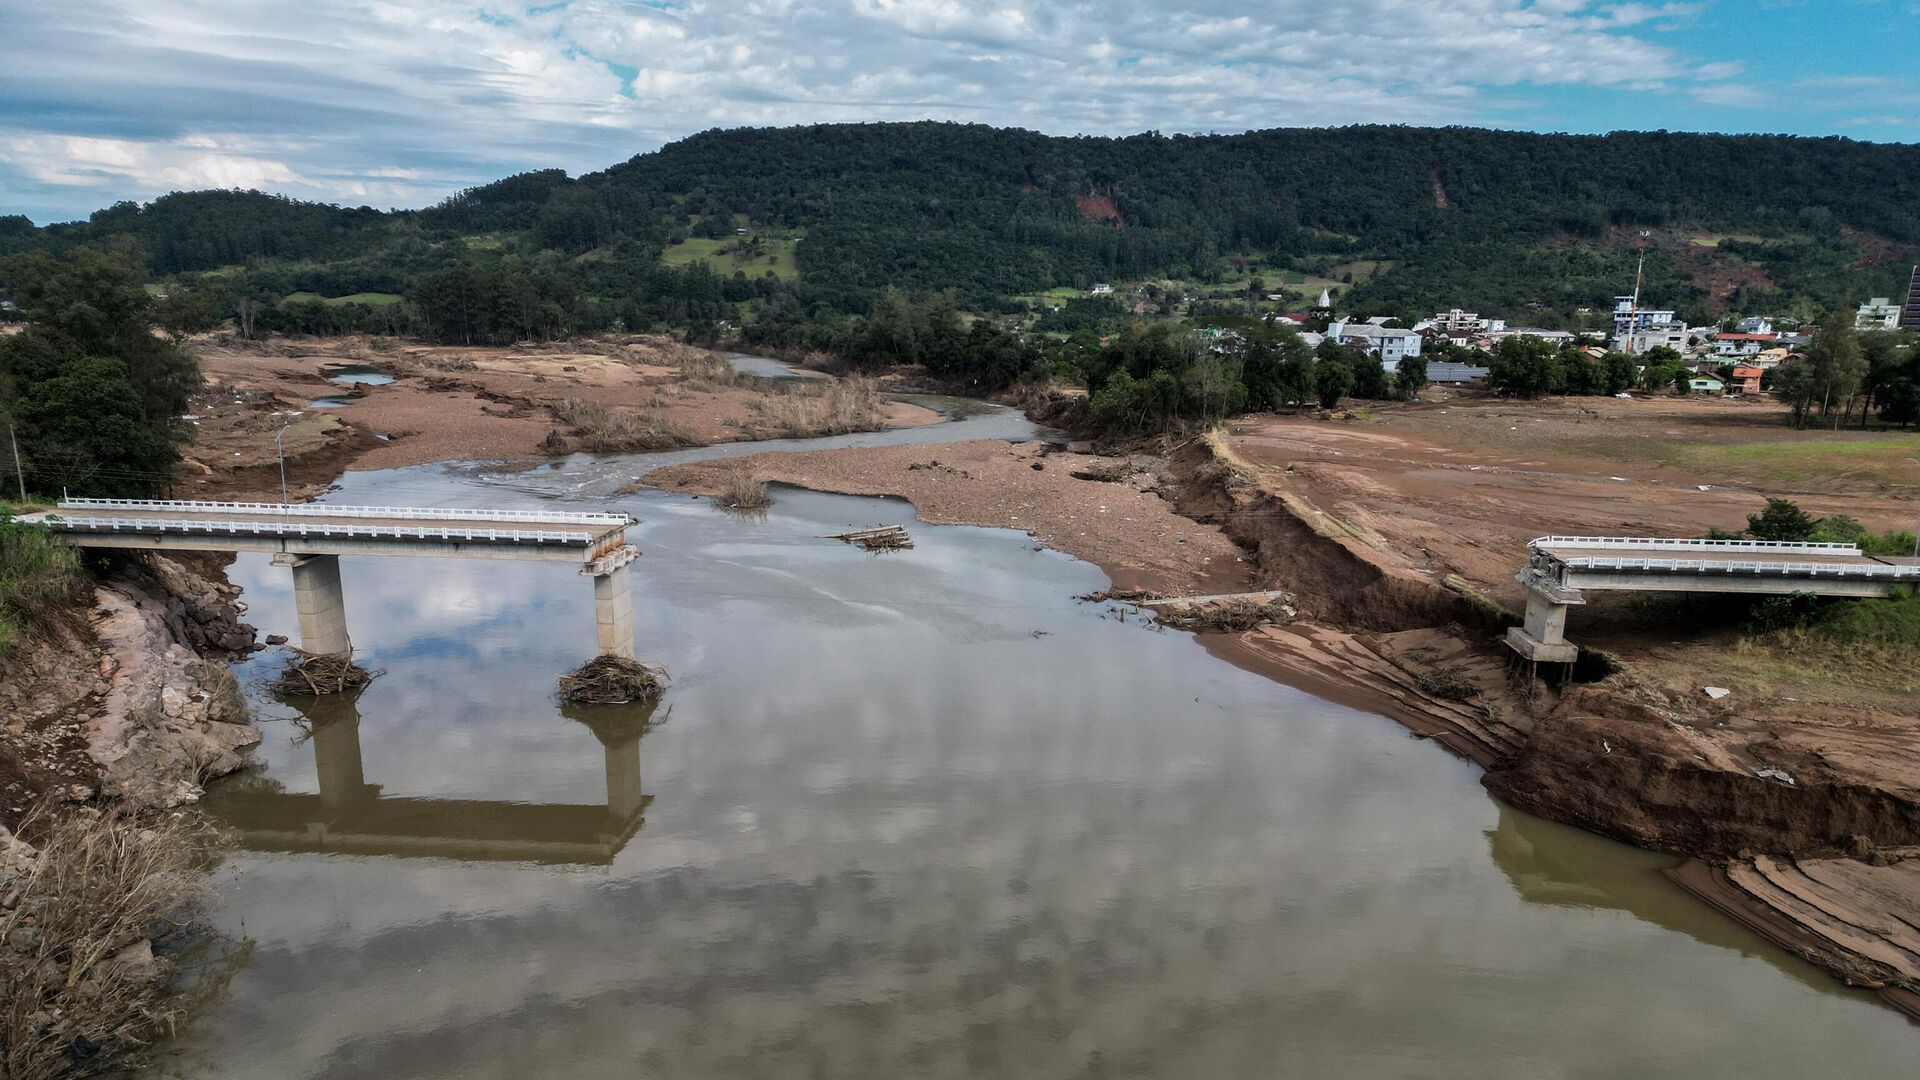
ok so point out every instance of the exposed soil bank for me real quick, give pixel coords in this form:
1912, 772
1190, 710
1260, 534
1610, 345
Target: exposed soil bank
1637, 759
1801, 810
120, 706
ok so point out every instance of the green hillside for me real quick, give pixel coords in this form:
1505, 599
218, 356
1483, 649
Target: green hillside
1393, 219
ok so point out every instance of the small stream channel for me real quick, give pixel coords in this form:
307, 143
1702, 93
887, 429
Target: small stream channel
920, 814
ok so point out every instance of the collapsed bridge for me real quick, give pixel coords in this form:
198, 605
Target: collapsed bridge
309, 538
1561, 569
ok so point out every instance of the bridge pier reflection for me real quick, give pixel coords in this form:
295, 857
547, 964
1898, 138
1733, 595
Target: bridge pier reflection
350, 816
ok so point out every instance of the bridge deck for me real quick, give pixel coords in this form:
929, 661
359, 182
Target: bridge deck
324, 529
1642, 562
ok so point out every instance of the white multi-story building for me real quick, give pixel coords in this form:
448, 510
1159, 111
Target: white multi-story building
1390, 343
1668, 335
1754, 324
1879, 313
1628, 318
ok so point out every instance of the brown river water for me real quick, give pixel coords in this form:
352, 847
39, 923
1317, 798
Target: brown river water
920, 814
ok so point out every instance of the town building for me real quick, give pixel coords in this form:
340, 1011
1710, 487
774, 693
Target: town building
1629, 317
1391, 344
1671, 335
1706, 384
1879, 313
1746, 379
1742, 344
1100, 289
1754, 324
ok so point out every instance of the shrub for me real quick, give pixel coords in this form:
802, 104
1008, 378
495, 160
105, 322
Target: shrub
1893, 620
36, 573
79, 984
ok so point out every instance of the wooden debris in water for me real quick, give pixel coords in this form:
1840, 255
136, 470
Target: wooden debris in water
312, 674
612, 680
1228, 612
878, 538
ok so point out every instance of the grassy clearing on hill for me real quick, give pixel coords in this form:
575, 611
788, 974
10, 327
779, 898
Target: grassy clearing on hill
726, 255
371, 299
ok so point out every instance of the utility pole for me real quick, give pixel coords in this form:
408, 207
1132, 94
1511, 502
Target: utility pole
19, 473
281, 448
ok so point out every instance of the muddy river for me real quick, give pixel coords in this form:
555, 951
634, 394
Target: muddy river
920, 814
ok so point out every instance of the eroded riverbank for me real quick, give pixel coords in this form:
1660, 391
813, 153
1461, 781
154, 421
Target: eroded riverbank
919, 813
1387, 633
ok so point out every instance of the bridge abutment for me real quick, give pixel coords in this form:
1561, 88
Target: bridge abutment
320, 602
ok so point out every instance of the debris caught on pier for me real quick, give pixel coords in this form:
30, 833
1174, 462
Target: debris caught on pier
878, 538
312, 674
612, 680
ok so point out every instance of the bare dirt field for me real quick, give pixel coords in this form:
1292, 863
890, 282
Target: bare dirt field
479, 403
1118, 522
1401, 532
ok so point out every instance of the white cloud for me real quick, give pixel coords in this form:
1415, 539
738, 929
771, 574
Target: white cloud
407, 100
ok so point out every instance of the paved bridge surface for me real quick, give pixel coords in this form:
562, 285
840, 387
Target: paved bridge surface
319, 529
311, 537
1560, 569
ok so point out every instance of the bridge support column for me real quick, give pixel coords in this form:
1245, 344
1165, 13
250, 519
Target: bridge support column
613, 601
1543, 635
322, 605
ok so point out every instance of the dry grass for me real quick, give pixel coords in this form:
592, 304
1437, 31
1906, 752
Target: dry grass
744, 491
80, 988
840, 407
701, 370
604, 429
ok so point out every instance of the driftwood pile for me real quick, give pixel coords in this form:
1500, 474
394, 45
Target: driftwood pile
878, 538
313, 674
612, 680
1230, 616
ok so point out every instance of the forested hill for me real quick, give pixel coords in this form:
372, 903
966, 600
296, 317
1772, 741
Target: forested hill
749, 222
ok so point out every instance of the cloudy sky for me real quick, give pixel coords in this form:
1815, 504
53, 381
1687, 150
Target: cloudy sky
399, 102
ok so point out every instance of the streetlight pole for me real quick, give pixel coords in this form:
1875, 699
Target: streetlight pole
280, 447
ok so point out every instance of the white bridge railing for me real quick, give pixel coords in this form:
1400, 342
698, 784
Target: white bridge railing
89, 523
1773, 567
1771, 547
328, 510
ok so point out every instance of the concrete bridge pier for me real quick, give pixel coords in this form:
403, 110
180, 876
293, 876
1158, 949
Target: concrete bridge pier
1543, 634
613, 601
322, 605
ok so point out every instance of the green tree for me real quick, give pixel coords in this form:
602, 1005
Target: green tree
1617, 373
1837, 365
1332, 379
96, 397
1525, 366
1781, 520
1411, 378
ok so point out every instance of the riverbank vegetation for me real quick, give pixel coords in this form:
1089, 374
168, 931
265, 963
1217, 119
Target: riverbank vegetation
36, 575
83, 988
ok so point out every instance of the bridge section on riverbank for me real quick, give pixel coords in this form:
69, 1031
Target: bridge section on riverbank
1561, 569
310, 538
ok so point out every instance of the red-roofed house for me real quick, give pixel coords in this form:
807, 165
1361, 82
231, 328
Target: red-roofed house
1746, 379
